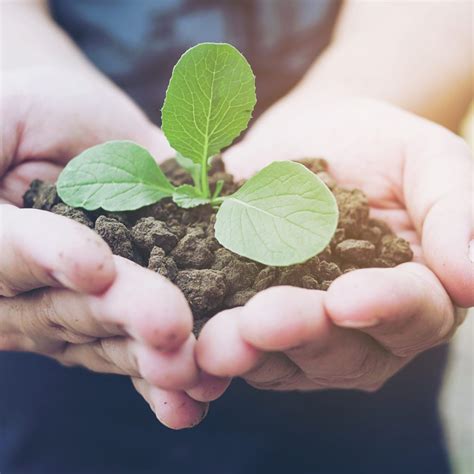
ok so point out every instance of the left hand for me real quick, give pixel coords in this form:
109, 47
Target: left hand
371, 322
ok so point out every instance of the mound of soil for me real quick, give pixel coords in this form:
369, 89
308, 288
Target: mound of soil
180, 245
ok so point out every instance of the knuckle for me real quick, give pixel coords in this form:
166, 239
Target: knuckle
44, 321
282, 381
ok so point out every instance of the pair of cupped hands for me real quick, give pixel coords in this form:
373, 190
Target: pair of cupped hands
64, 295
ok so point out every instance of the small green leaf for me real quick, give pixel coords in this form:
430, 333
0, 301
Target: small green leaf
187, 196
218, 188
282, 216
115, 176
209, 101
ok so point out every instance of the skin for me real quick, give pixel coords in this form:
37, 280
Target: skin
70, 299
418, 177
62, 293
371, 322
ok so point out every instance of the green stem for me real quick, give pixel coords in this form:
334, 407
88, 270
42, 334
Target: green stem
217, 201
204, 181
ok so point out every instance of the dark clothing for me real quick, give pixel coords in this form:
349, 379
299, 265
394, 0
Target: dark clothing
56, 420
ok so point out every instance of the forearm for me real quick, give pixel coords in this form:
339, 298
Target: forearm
32, 40
417, 55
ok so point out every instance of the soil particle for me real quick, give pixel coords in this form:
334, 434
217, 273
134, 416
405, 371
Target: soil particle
179, 244
117, 236
204, 289
383, 226
347, 267
395, 249
160, 263
361, 252
310, 283
328, 271
240, 298
326, 254
41, 195
325, 285
294, 274
353, 210
77, 215
192, 250
372, 234
265, 278
316, 165
149, 232
239, 273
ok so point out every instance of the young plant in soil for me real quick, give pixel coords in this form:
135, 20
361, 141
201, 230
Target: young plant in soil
281, 216
219, 241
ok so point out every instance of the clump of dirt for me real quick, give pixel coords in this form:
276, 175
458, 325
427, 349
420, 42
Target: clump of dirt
179, 244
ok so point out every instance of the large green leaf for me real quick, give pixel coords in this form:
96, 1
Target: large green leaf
209, 101
283, 215
115, 176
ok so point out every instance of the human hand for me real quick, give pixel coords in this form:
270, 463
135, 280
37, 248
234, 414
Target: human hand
62, 293
370, 322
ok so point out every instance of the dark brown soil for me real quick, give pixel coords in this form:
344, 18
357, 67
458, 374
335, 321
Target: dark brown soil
180, 245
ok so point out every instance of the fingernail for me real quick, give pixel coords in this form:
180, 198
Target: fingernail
471, 251
358, 323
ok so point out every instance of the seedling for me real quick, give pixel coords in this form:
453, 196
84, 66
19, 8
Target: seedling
281, 216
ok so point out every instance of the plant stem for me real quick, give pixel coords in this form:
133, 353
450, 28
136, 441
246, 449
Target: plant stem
217, 201
204, 181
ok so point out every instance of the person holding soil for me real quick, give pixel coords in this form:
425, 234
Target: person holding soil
65, 296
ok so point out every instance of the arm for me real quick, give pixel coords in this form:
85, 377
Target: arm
38, 41
416, 55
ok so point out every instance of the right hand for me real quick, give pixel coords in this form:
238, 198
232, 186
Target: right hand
62, 292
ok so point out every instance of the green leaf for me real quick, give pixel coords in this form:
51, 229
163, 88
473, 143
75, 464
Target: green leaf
115, 176
283, 215
218, 188
209, 101
187, 196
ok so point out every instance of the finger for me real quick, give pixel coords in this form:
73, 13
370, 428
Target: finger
123, 356
221, 351
438, 195
41, 249
112, 355
405, 308
174, 409
209, 387
276, 372
148, 306
294, 320
175, 370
